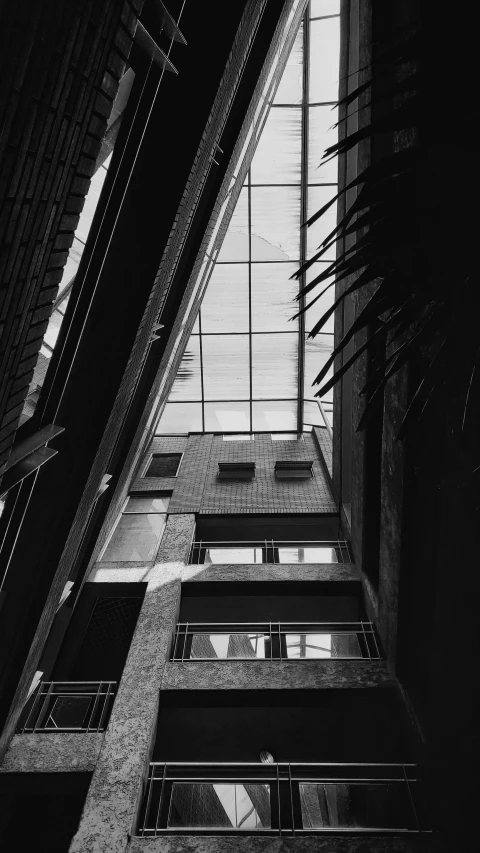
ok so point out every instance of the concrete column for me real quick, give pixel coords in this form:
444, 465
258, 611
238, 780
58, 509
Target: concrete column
116, 787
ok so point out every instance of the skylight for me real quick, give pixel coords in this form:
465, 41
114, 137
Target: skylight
248, 367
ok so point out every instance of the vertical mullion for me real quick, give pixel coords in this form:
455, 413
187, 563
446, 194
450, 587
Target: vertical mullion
250, 294
303, 217
201, 367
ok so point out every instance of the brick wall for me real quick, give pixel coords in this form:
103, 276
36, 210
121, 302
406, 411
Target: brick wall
60, 64
197, 488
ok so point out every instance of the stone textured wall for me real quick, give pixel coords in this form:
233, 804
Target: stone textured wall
266, 844
197, 489
52, 753
274, 675
116, 786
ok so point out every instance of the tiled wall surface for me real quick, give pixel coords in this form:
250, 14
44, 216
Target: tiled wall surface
197, 488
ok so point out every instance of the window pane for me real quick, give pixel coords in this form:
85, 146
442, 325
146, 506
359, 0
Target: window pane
278, 155
163, 465
233, 556
275, 223
235, 244
290, 87
180, 418
304, 646
284, 436
225, 304
226, 367
188, 384
300, 554
225, 646
273, 298
275, 365
272, 416
324, 60
349, 805
136, 538
149, 503
240, 436
322, 135
225, 417
216, 805
316, 233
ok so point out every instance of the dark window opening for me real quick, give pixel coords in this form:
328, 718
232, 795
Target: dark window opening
50, 803
294, 470
163, 465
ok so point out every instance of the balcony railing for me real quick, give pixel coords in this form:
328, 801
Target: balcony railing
274, 641
69, 706
282, 799
271, 551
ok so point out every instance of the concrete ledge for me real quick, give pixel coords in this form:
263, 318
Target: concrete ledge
275, 844
273, 675
272, 572
52, 753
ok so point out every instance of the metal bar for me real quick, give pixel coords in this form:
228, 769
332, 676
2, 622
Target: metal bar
303, 218
366, 642
291, 797
94, 706
160, 801
201, 366
105, 706
250, 342
412, 802
45, 704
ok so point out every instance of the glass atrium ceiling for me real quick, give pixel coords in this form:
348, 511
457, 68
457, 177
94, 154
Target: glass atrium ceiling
248, 366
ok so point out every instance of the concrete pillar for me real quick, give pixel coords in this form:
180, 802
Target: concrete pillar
116, 787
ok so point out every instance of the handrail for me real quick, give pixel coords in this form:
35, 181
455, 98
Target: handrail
57, 706
282, 798
274, 641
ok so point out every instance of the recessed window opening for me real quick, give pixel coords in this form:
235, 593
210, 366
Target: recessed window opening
163, 465
241, 436
138, 531
286, 436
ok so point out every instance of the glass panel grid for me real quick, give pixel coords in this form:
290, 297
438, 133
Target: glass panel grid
243, 374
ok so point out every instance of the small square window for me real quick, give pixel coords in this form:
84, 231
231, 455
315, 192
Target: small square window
236, 470
294, 470
163, 465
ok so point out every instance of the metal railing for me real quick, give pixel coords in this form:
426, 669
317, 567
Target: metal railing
70, 706
271, 551
282, 799
274, 641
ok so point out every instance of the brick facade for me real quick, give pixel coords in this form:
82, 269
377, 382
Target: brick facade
197, 488
60, 68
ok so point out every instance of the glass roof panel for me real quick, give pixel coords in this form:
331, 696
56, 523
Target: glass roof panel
317, 351
324, 7
274, 415
324, 53
273, 298
235, 244
188, 383
316, 233
180, 418
275, 365
313, 314
275, 223
321, 135
278, 155
225, 305
226, 372
250, 346
290, 88
227, 417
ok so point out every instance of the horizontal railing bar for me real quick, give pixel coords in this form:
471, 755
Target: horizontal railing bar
367, 780
280, 764
189, 624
